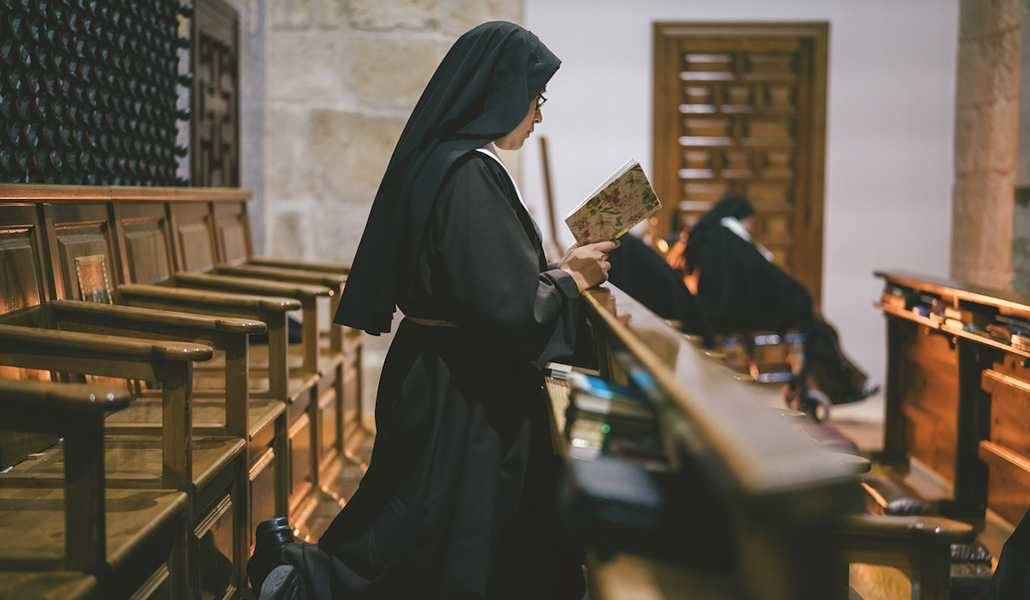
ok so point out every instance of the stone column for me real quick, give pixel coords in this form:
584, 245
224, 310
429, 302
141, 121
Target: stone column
987, 115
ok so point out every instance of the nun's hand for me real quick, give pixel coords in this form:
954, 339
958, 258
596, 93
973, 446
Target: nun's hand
588, 264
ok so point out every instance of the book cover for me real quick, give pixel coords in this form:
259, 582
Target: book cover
623, 200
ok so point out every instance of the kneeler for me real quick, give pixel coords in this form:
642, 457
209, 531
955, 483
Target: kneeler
904, 529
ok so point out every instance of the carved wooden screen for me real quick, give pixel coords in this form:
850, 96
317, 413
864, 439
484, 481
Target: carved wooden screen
215, 145
87, 92
741, 108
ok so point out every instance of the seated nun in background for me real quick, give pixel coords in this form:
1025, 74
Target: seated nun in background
459, 499
740, 289
643, 274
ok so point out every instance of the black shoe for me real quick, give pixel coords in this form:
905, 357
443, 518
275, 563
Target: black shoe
271, 537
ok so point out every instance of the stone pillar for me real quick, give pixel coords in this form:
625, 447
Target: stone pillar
987, 117
342, 77
253, 23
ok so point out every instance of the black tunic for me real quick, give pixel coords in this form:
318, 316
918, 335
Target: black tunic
643, 273
739, 289
458, 498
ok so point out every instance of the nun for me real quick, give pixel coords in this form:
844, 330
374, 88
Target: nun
458, 500
740, 290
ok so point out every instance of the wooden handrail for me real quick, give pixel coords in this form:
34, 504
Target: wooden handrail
300, 264
323, 278
36, 399
68, 308
71, 340
252, 286
251, 302
30, 192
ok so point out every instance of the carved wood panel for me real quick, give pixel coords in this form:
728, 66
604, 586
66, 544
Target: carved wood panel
216, 84
233, 233
740, 108
194, 237
87, 92
21, 283
145, 240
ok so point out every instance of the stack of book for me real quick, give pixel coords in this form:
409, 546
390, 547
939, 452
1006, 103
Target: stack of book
895, 296
1019, 331
605, 418
967, 319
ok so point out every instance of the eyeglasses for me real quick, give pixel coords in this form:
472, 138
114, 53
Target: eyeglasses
540, 100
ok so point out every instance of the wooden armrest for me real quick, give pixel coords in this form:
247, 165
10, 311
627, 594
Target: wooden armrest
168, 363
322, 278
894, 529
35, 399
210, 298
77, 309
251, 286
300, 264
16, 336
227, 334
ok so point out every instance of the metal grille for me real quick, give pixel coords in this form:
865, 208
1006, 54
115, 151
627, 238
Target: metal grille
89, 92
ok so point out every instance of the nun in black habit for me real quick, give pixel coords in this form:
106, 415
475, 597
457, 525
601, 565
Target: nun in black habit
643, 274
740, 289
458, 498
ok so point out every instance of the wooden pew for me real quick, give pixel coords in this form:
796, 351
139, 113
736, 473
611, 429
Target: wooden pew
99, 527
261, 422
791, 508
176, 460
49, 230
295, 374
955, 395
77, 232
338, 352
72, 230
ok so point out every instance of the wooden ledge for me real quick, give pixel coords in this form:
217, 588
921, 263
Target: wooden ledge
108, 344
248, 301
300, 264
323, 278
43, 397
77, 193
252, 286
73, 308
900, 528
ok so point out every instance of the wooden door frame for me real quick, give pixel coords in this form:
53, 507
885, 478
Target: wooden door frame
810, 184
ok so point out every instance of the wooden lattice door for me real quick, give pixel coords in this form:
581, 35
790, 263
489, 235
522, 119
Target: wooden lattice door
741, 108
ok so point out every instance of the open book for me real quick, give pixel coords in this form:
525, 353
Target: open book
622, 201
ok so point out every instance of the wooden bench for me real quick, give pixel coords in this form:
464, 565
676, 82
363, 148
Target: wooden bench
785, 509
286, 403
133, 541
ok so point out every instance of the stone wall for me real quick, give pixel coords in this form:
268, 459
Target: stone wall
986, 121
342, 78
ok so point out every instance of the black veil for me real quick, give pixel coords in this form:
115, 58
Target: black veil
480, 92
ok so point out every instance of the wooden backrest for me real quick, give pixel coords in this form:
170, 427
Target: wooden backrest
193, 237
81, 246
144, 237
23, 290
232, 232
22, 277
